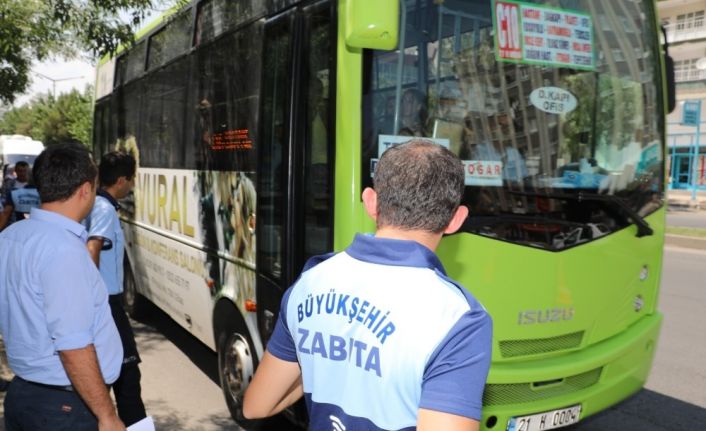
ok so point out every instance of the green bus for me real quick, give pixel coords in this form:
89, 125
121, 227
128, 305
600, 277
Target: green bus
257, 124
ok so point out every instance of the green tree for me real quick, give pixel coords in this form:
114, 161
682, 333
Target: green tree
79, 117
17, 121
36, 29
68, 118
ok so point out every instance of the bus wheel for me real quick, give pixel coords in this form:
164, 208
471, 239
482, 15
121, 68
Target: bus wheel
134, 303
236, 367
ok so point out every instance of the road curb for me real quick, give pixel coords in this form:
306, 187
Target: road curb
679, 207
685, 241
686, 204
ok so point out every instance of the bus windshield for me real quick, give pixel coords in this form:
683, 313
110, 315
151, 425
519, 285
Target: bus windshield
550, 104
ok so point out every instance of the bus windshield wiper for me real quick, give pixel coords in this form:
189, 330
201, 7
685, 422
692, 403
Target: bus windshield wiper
479, 220
643, 228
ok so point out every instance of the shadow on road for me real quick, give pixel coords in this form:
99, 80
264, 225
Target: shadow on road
171, 419
646, 411
155, 326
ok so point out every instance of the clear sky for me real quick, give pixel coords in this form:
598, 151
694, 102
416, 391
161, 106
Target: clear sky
83, 72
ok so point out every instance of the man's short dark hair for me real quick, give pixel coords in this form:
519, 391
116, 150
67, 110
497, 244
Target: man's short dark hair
114, 165
21, 164
419, 186
61, 169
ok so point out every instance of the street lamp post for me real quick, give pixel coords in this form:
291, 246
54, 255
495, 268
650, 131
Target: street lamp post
54, 81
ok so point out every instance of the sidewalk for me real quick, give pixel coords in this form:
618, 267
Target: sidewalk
6, 374
681, 200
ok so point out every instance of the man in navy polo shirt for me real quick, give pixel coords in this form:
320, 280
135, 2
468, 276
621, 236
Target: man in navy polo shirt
377, 337
106, 246
60, 338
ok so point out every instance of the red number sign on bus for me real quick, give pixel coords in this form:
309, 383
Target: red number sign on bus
507, 26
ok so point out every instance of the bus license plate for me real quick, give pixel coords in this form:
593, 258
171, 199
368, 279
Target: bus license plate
545, 421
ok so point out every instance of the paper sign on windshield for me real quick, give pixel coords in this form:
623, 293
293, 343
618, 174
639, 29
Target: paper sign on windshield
483, 172
387, 141
553, 100
533, 34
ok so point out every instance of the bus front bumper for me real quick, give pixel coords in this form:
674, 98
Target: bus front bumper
595, 378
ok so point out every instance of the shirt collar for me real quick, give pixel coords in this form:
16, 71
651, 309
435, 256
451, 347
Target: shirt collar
393, 252
111, 199
59, 220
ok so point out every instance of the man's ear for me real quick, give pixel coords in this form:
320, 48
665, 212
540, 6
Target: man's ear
370, 200
457, 220
86, 188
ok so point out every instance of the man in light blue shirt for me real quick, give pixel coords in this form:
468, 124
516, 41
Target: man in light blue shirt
377, 337
106, 246
60, 338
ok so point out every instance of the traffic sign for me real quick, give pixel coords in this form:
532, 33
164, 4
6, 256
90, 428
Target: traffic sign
691, 113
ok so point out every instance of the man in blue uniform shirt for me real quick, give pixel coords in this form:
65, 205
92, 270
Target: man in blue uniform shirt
377, 337
20, 197
116, 175
60, 338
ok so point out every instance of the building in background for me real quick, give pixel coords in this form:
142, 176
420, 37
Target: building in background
685, 23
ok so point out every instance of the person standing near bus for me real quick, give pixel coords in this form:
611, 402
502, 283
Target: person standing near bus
8, 179
20, 197
106, 245
413, 113
60, 338
377, 336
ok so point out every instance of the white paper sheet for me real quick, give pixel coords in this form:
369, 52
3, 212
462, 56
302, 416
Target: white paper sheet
146, 424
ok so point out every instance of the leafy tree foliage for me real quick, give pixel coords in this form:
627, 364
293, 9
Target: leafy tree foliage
36, 29
18, 121
68, 118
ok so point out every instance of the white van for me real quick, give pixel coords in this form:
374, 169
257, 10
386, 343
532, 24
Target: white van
15, 148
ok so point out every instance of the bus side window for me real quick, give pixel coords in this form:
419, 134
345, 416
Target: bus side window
273, 150
318, 168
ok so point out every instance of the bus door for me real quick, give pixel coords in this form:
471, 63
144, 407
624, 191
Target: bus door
295, 157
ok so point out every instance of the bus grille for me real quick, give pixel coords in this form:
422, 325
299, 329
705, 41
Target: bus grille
514, 348
516, 393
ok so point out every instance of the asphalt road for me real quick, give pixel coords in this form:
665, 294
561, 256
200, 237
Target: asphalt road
180, 379
695, 219
181, 391
674, 398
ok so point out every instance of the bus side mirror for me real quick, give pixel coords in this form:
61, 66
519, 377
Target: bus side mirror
368, 25
669, 71
671, 84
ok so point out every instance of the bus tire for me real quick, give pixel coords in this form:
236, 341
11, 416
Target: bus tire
134, 303
236, 367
